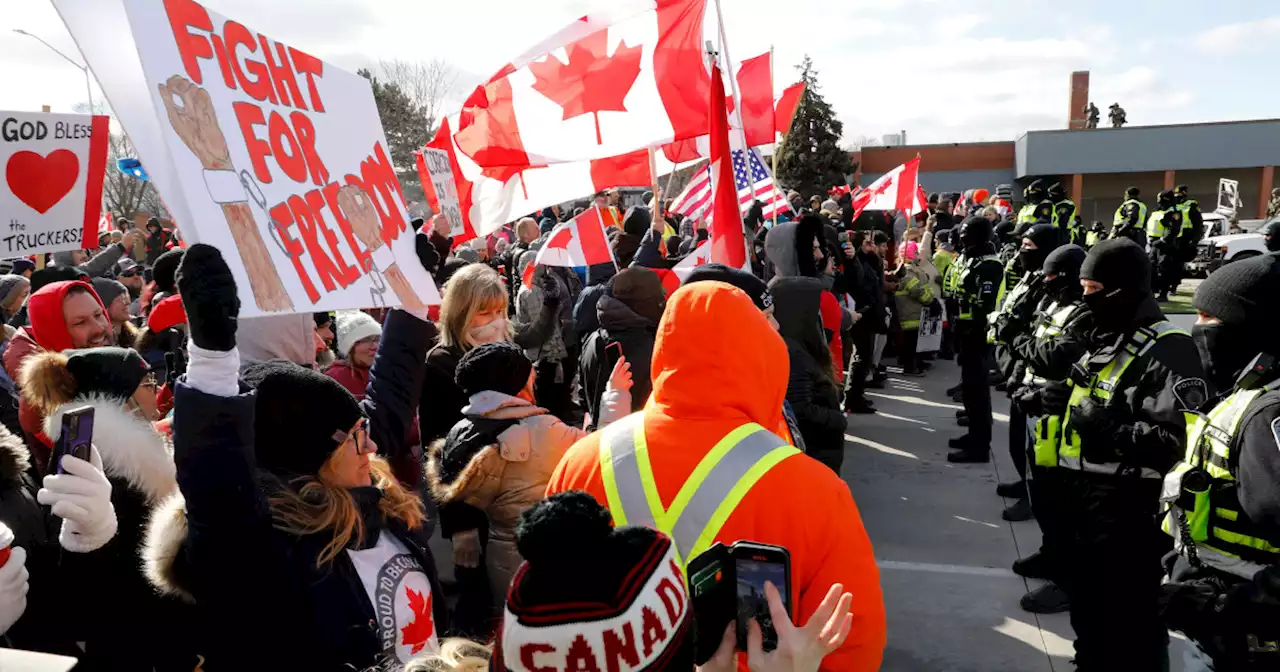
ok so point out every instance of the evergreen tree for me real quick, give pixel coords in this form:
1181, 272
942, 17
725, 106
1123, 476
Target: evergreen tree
811, 161
408, 128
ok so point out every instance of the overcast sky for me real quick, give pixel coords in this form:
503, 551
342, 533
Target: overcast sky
943, 70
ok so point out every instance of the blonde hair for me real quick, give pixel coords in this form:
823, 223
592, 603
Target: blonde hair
475, 288
455, 655
314, 505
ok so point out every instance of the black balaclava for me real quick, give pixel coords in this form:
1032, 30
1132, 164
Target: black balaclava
1271, 235
1242, 296
1057, 193
1064, 264
975, 236
1046, 238
1125, 273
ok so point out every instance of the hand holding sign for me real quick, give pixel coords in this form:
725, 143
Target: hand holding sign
360, 211
195, 122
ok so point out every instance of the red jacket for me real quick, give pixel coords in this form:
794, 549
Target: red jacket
717, 364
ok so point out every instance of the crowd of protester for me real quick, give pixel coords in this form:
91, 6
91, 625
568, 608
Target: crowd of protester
264, 493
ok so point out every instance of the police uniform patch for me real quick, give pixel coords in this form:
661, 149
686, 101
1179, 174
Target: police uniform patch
1275, 431
1190, 393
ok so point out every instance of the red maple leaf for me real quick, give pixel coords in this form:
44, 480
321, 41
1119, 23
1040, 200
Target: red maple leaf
420, 629
560, 240
884, 186
592, 81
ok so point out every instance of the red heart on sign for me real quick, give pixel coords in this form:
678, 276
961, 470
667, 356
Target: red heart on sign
42, 181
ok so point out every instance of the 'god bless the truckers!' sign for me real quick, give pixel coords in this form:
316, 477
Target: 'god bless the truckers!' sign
51, 187
260, 149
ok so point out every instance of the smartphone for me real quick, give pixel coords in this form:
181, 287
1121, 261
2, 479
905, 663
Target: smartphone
755, 565
844, 236
714, 602
75, 439
614, 349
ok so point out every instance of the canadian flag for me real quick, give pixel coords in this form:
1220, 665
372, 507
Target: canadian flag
728, 242
898, 189
700, 257
626, 77
578, 242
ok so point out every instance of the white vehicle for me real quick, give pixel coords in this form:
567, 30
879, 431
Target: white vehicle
1214, 251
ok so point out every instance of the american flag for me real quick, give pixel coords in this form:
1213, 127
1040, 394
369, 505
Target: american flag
752, 179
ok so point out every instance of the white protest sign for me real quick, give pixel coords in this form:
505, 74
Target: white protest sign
930, 338
261, 150
1228, 196
52, 188
441, 173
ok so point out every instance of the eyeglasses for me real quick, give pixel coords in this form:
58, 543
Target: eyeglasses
359, 435
128, 274
149, 382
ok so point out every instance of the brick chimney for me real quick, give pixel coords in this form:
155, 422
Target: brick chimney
1079, 98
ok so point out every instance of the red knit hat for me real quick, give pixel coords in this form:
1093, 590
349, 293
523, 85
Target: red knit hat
167, 313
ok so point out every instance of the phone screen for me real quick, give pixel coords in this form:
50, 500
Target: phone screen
76, 436
752, 574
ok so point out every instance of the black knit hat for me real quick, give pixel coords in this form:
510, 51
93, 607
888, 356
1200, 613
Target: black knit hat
641, 290
584, 582
500, 367
747, 282
51, 274
1243, 293
300, 417
1047, 237
165, 270
110, 372
1065, 261
1117, 263
975, 231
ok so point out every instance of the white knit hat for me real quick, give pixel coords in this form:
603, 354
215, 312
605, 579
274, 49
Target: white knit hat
355, 326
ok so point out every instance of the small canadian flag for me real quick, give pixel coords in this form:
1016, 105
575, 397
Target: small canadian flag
578, 242
700, 256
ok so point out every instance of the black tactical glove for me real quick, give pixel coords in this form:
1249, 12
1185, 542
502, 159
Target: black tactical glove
1097, 426
1027, 399
208, 293
1054, 398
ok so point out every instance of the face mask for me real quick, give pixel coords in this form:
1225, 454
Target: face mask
1061, 288
493, 332
1111, 310
1224, 352
1030, 259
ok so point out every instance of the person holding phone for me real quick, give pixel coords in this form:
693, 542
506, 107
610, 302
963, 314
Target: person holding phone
106, 397
629, 313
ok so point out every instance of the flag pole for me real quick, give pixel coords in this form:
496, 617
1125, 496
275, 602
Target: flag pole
657, 193
600, 222
737, 106
776, 144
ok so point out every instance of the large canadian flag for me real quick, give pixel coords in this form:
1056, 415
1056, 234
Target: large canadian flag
897, 189
728, 242
578, 242
626, 77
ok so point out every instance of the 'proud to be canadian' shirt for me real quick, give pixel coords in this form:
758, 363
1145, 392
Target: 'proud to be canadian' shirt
401, 597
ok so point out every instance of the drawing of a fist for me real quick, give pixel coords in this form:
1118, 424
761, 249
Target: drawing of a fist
193, 118
360, 211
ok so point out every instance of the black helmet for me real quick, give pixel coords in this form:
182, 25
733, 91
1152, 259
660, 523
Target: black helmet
975, 232
1057, 192
1165, 197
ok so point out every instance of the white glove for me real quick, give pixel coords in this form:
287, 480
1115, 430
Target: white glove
81, 497
13, 582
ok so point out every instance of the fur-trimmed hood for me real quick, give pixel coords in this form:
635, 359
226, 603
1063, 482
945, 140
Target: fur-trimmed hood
131, 449
162, 548
15, 459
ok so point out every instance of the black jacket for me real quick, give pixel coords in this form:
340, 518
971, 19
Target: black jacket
635, 333
811, 390
263, 601
441, 400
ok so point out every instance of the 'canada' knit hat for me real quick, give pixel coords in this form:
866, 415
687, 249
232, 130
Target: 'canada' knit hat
300, 417
642, 291
352, 327
500, 367
593, 597
747, 282
164, 271
1243, 293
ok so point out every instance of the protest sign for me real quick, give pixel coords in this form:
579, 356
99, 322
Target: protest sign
52, 189
440, 174
261, 150
930, 339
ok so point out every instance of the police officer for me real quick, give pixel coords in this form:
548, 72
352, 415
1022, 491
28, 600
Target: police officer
1190, 234
981, 287
1224, 496
1122, 429
1036, 208
1065, 213
1059, 339
1163, 230
1131, 218
1271, 235
1014, 318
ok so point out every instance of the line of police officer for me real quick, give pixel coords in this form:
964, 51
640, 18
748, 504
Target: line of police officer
1124, 418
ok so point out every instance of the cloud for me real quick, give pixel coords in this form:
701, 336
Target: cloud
1237, 37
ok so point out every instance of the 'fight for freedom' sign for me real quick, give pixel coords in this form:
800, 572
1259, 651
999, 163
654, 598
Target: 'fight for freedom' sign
51, 191
260, 149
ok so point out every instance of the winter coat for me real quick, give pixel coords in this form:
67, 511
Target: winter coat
355, 379
697, 400
17, 350
100, 265
499, 460
264, 602
126, 625
530, 304
913, 294
442, 400
635, 333
811, 390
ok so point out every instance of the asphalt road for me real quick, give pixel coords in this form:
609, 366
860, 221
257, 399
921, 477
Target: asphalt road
943, 550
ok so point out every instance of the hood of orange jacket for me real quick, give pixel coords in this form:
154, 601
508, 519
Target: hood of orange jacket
44, 310
716, 357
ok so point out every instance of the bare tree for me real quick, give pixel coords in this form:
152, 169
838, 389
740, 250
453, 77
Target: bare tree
123, 195
427, 83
